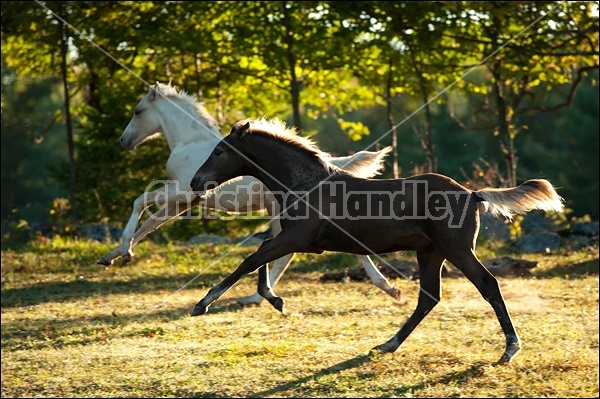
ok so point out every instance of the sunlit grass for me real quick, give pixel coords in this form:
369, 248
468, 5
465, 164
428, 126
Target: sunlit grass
73, 328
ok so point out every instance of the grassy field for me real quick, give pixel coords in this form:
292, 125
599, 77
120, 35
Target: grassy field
72, 328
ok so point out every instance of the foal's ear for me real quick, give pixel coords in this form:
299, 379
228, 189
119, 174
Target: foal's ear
152, 92
243, 130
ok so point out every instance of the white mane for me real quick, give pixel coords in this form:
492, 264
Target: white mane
171, 92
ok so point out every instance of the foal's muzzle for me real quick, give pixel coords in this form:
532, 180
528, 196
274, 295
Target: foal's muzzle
199, 183
127, 144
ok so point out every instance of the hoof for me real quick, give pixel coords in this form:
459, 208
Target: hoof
509, 353
126, 258
104, 261
374, 353
199, 310
395, 293
388, 347
504, 359
278, 304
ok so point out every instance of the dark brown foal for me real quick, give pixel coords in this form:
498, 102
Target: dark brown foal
327, 209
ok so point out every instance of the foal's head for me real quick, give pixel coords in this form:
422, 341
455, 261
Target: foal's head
162, 103
225, 162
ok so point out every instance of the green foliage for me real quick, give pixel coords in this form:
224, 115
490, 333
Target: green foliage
235, 57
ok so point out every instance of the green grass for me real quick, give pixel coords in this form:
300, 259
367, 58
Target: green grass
72, 328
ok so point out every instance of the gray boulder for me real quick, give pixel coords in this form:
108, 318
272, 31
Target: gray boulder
249, 240
541, 242
536, 222
589, 229
494, 228
577, 241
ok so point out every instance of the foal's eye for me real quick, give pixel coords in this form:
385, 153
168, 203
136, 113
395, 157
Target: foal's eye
137, 112
218, 152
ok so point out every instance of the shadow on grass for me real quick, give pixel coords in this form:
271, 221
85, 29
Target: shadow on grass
75, 331
64, 291
473, 371
457, 378
335, 369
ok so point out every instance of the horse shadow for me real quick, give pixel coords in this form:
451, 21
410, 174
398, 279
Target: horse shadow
65, 291
101, 326
460, 376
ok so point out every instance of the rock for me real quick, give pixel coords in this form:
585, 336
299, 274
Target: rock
491, 227
589, 229
541, 242
577, 241
400, 268
249, 240
335, 276
99, 232
536, 222
208, 238
507, 266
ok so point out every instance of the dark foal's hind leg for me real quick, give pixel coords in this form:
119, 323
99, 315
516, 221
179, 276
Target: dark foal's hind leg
430, 268
266, 291
489, 288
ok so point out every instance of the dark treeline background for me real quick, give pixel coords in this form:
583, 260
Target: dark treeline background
514, 88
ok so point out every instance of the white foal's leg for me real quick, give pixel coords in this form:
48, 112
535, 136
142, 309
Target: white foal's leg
163, 215
159, 197
280, 265
140, 204
377, 278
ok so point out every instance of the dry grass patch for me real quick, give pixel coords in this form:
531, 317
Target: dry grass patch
76, 329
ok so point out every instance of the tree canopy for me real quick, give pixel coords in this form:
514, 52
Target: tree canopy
486, 92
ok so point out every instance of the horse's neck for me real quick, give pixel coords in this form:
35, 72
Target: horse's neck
282, 168
186, 126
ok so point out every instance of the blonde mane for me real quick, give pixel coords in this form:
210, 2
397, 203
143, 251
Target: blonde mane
278, 129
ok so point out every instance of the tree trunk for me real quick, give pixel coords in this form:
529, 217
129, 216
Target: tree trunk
294, 83
71, 148
507, 144
198, 65
219, 97
390, 117
427, 142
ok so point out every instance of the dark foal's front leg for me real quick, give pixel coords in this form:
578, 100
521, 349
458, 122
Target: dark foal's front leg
268, 252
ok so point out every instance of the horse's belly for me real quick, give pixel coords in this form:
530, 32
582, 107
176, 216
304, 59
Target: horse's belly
377, 244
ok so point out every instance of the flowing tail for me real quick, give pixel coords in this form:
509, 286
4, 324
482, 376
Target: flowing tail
363, 164
533, 194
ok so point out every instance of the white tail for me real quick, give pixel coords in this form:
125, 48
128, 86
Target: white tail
533, 194
363, 164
